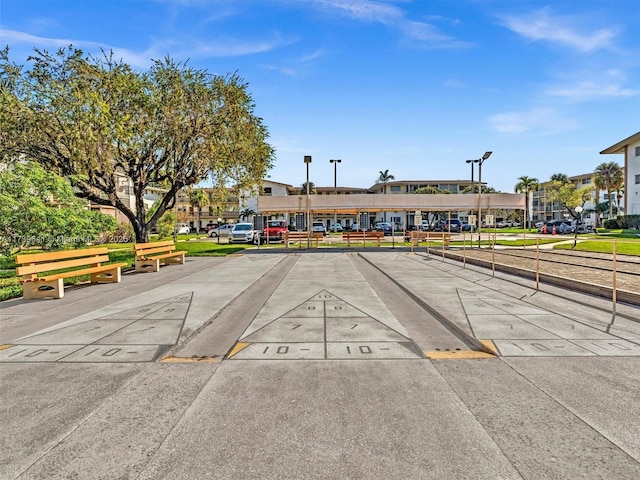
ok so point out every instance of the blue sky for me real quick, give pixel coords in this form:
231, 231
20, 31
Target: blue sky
412, 86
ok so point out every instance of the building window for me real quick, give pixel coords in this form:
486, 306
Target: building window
395, 188
267, 191
637, 151
637, 179
586, 181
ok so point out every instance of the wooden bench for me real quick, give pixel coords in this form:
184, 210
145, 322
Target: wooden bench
301, 238
417, 236
87, 261
362, 237
149, 255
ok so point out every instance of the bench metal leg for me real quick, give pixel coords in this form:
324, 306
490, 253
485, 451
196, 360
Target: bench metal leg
39, 289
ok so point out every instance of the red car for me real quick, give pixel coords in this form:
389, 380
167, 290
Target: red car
274, 231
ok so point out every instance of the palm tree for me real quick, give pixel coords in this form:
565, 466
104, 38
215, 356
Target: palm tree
246, 213
312, 188
608, 176
560, 177
527, 185
619, 195
197, 199
384, 178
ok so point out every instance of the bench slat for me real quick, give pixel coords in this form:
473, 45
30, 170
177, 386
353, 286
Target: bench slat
48, 256
46, 267
151, 251
169, 255
77, 273
162, 243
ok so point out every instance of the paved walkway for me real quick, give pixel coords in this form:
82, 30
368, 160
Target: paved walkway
319, 364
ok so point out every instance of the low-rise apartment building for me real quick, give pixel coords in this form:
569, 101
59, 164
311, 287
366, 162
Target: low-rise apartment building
630, 148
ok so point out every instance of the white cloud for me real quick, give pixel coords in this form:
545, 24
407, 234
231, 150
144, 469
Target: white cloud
364, 10
142, 59
393, 16
595, 86
13, 36
224, 47
590, 90
537, 121
542, 25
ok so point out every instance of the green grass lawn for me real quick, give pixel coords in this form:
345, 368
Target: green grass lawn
118, 253
627, 243
623, 246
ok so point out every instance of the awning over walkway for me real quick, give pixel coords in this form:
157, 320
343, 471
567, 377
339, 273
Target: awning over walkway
350, 204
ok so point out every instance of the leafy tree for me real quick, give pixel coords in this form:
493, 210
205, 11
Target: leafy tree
38, 208
568, 196
608, 176
101, 124
198, 199
527, 185
385, 177
167, 225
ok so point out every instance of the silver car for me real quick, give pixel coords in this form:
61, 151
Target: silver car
243, 233
221, 231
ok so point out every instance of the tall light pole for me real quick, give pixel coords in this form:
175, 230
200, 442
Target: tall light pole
472, 162
335, 186
480, 162
307, 161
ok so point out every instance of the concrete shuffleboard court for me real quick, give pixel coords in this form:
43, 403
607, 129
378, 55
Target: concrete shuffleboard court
319, 364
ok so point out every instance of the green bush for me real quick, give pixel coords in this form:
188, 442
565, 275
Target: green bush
612, 224
630, 221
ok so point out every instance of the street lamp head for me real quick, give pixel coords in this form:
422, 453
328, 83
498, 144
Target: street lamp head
486, 155
335, 161
579, 209
307, 159
472, 161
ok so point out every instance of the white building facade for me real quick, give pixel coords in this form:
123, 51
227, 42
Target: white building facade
630, 148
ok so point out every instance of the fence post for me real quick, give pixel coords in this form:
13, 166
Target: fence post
614, 293
464, 250
537, 263
493, 254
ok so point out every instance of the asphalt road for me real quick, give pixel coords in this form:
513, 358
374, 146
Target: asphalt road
319, 365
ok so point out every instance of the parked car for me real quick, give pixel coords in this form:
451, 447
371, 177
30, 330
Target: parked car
273, 231
210, 226
466, 227
585, 228
454, 226
335, 227
221, 231
183, 228
560, 227
384, 227
319, 227
243, 233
